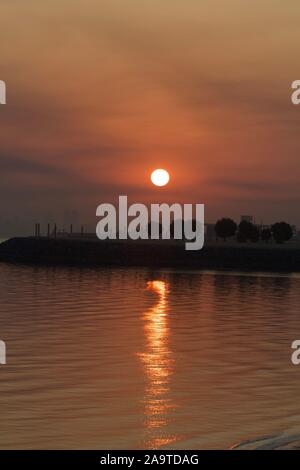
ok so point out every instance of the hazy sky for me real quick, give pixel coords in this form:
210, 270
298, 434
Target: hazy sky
102, 92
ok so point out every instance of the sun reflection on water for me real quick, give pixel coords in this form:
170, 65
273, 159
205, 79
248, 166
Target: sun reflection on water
158, 365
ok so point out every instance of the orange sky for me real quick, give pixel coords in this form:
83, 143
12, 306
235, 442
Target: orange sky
102, 92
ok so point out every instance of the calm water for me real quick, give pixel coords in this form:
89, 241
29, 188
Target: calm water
142, 359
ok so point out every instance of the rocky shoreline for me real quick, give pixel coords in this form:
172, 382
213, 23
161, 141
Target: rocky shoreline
284, 441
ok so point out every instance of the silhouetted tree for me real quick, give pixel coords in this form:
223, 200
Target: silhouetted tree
266, 234
225, 228
282, 232
248, 231
254, 237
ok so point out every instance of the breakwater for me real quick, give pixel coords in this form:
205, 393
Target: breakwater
153, 254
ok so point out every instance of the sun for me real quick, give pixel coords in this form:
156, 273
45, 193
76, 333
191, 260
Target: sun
160, 177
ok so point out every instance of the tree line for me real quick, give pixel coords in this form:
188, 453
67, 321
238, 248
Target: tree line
247, 231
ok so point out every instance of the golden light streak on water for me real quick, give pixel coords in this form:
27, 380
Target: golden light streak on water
158, 363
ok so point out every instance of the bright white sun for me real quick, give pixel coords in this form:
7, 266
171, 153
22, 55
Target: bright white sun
160, 177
